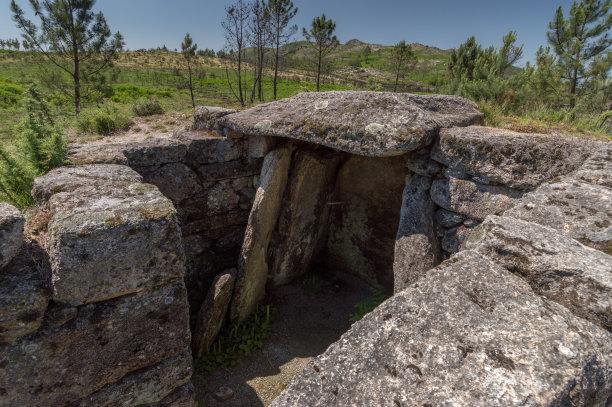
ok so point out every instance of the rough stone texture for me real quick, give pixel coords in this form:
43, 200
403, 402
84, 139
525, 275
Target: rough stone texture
449, 219
364, 123
468, 333
120, 238
364, 219
68, 179
259, 146
472, 199
252, 262
420, 162
24, 296
11, 233
79, 351
212, 313
579, 210
304, 215
555, 266
176, 181
181, 397
144, 386
518, 160
152, 152
453, 239
229, 170
416, 246
205, 147
598, 168
205, 117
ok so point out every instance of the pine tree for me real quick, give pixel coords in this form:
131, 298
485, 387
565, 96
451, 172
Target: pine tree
401, 56
582, 45
281, 14
322, 39
72, 37
188, 49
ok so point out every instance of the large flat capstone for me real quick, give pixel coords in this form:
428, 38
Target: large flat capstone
467, 334
364, 123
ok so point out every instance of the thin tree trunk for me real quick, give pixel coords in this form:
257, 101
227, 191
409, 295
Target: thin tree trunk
276, 66
190, 84
319, 67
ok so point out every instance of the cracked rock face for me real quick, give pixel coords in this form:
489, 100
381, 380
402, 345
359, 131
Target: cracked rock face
364, 123
432, 344
11, 233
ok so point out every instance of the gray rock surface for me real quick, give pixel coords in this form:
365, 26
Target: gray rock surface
472, 199
416, 246
11, 233
579, 210
152, 152
304, 215
468, 333
180, 397
449, 219
176, 181
598, 168
421, 163
518, 160
120, 238
212, 314
24, 296
205, 117
78, 353
205, 147
555, 266
364, 123
252, 262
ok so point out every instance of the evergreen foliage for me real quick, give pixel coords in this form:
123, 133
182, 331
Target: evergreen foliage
188, 49
322, 38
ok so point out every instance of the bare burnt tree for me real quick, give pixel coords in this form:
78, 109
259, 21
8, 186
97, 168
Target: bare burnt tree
235, 28
259, 39
281, 14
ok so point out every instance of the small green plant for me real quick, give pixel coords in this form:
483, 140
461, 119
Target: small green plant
39, 147
147, 107
367, 305
236, 341
104, 121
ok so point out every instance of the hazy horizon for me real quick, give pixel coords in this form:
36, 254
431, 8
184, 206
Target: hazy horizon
444, 24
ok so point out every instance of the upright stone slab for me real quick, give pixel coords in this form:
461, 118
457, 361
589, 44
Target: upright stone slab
577, 209
11, 233
365, 123
517, 160
416, 246
304, 215
555, 266
468, 333
472, 199
252, 262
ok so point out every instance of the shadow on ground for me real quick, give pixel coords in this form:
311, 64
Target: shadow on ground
312, 314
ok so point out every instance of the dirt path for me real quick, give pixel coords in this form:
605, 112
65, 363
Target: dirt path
312, 314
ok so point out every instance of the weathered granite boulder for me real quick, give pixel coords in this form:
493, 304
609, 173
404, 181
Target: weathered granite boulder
416, 246
205, 147
119, 237
555, 266
449, 219
229, 170
252, 262
212, 314
365, 214
472, 199
70, 178
518, 160
421, 163
176, 181
454, 238
259, 146
304, 215
180, 397
468, 333
78, 351
24, 296
579, 210
598, 168
364, 123
11, 233
152, 152
205, 117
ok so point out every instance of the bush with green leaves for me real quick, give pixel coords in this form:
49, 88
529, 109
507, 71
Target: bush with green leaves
367, 305
10, 93
104, 121
147, 107
236, 341
38, 148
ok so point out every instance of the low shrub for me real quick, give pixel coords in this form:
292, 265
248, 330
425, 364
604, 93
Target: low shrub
10, 93
147, 107
103, 122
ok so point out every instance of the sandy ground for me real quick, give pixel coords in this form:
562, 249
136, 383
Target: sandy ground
312, 314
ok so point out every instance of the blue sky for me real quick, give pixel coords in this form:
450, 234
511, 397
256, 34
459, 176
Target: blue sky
440, 23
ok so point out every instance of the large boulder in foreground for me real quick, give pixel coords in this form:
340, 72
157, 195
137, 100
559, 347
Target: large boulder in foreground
11, 233
517, 160
468, 334
365, 123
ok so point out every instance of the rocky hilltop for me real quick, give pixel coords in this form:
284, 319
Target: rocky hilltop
495, 245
